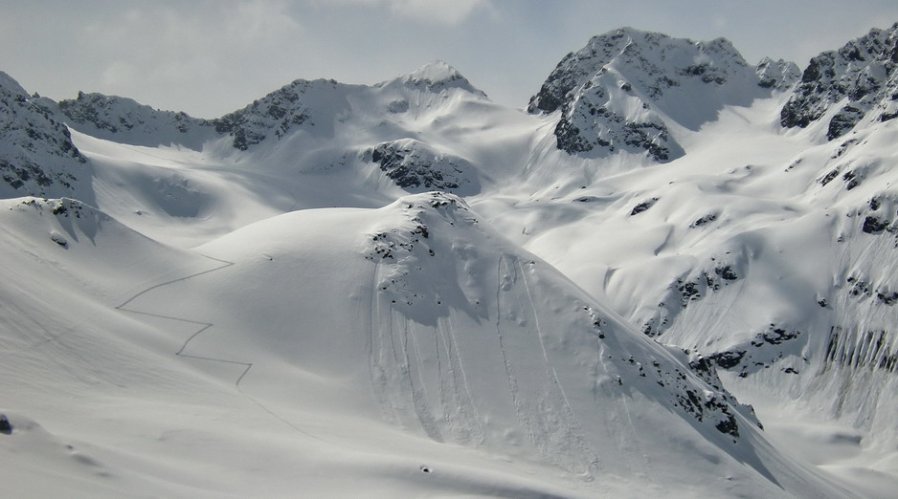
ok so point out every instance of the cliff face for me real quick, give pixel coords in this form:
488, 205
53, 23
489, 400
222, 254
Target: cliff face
843, 87
37, 156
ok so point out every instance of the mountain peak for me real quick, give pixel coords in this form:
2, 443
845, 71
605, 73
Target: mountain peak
434, 71
778, 74
863, 74
637, 54
9, 84
628, 33
125, 120
37, 155
437, 76
619, 92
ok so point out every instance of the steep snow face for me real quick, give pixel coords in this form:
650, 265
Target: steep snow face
842, 88
626, 88
766, 255
778, 74
410, 339
454, 335
37, 156
126, 121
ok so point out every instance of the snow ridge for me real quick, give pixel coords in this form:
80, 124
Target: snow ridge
124, 120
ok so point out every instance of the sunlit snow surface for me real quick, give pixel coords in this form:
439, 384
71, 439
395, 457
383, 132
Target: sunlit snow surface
287, 321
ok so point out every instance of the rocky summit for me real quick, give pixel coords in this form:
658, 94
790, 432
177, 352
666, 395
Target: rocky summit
841, 88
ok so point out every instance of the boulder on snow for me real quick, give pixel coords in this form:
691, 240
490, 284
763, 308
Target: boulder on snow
5, 425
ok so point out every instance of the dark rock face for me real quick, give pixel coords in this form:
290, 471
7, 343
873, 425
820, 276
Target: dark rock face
764, 350
855, 349
274, 115
643, 206
873, 225
778, 75
415, 167
829, 177
37, 156
863, 72
125, 120
705, 220
726, 273
714, 407
617, 93
694, 287
722, 405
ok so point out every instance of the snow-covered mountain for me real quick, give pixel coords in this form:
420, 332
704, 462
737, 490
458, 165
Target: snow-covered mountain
37, 156
625, 89
778, 74
857, 83
126, 121
666, 275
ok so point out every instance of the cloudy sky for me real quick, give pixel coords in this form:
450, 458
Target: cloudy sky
209, 57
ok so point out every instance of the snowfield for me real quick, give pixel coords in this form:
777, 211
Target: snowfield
407, 290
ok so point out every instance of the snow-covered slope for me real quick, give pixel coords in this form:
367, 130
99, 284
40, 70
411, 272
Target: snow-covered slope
762, 252
499, 357
374, 130
255, 304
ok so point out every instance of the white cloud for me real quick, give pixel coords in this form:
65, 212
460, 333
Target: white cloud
434, 11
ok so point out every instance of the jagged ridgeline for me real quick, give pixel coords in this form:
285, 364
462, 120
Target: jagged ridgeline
37, 156
624, 90
858, 82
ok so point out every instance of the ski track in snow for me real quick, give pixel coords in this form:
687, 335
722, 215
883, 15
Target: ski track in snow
512, 381
573, 433
205, 326
550, 420
465, 400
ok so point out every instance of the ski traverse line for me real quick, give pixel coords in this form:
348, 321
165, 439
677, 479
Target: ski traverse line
205, 326
172, 281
